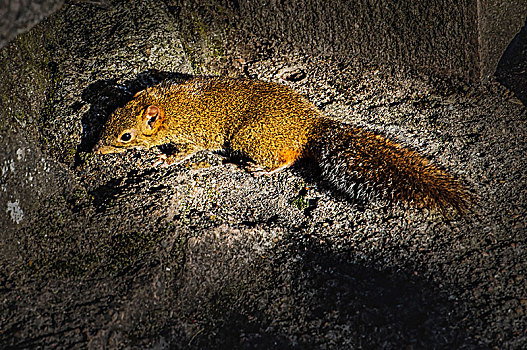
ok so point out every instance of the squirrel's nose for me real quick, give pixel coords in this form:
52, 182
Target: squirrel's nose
103, 149
97, 148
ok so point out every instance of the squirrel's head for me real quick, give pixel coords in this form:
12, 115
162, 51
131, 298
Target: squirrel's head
135, 125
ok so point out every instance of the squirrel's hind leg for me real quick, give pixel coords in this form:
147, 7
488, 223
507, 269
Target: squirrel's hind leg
281, 160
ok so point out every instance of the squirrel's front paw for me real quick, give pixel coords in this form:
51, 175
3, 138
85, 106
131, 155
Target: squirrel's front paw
163, 161
255, 170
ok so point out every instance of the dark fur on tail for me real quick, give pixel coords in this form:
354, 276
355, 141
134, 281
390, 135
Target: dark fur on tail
364, 164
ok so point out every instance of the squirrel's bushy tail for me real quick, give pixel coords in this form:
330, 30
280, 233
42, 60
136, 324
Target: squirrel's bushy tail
364, 164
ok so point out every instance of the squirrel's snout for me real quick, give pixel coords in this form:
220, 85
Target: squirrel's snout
99, 148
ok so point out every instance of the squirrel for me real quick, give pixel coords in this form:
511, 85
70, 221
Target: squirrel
274, 126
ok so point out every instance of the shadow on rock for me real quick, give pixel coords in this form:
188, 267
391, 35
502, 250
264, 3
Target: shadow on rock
512, 68
307, 298
226, 291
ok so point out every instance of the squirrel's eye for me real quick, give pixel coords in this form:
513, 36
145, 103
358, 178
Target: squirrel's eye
127, 136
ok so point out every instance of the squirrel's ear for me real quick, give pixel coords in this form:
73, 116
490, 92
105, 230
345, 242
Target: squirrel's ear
152, 119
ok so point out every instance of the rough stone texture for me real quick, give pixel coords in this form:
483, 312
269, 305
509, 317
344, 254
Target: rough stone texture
18, 16
463, 39
111, 252
416, 34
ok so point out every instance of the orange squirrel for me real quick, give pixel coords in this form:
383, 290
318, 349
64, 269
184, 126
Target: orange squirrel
274, 126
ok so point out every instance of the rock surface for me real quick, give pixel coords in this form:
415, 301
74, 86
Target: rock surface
18, 16
111, 252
